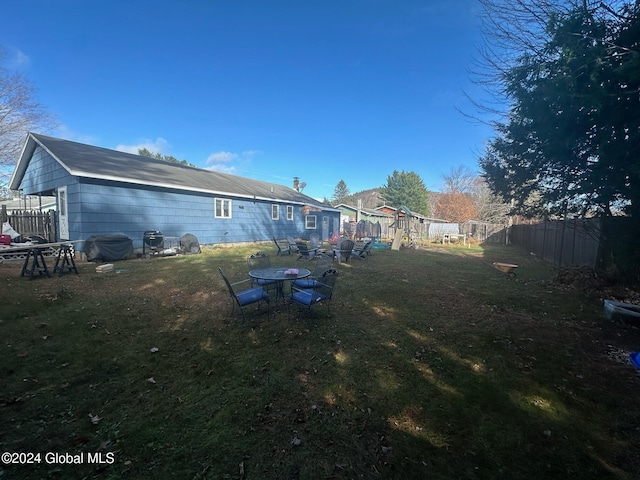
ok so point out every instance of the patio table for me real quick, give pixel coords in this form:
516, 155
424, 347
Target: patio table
280, 275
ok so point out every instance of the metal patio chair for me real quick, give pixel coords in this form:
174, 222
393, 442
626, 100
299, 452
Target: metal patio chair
306, 298
323, 263
260, 260
242, 298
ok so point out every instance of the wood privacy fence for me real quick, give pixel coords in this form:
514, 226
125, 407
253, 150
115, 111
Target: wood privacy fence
30, 222
563, 243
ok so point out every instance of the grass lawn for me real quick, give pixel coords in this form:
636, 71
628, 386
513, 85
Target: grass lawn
432, 365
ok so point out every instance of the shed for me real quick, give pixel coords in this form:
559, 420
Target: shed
101, 191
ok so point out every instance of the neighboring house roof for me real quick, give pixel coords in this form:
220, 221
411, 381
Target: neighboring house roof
88, 161
367, 211
30, 202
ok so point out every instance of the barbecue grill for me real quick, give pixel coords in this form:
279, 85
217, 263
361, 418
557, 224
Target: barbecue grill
153, 241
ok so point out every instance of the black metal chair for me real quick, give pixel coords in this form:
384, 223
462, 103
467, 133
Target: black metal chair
323, 263
260, 260
306, 298
242, 298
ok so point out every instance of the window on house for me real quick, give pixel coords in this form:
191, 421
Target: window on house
62, 193
222, 208
289, 212
275, 212
310, 221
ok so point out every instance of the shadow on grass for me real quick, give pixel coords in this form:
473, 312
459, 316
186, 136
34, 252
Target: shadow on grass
432, 365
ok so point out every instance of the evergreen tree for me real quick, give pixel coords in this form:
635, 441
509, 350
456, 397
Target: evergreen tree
159, 156
341, 192
571, 141
408, 189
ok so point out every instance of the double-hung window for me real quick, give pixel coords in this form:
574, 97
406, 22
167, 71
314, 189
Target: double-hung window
289, 212
310, 221
222, 208
275, 212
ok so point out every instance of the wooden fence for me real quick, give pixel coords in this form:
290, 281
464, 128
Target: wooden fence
30, 222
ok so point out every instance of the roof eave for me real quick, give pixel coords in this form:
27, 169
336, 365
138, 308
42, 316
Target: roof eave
22, 163
28, 149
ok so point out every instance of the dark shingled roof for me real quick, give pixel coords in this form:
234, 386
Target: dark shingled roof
102, 163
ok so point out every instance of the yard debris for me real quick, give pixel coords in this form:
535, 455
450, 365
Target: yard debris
296, 440
619, 355
154, 349
151, 380
95, 419
582, 278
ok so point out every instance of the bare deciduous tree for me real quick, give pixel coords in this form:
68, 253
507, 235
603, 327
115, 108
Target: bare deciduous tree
459, 180
489, 207
20, 113
467, 196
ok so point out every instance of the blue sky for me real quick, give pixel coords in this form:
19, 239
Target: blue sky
326, 91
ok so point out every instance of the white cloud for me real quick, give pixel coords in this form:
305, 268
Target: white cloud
229, 162
219, 162
159, 145
65, 132
221, 157
251, 153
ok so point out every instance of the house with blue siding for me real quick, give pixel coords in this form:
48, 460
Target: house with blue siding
101, 191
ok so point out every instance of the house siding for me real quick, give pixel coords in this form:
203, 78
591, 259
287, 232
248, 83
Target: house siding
44, 174
98, 207
131, 210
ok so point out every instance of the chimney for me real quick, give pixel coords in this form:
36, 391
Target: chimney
296, 184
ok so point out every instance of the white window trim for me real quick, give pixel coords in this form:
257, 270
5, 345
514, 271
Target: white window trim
223, 201
306, 222
289, 212
275, 211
